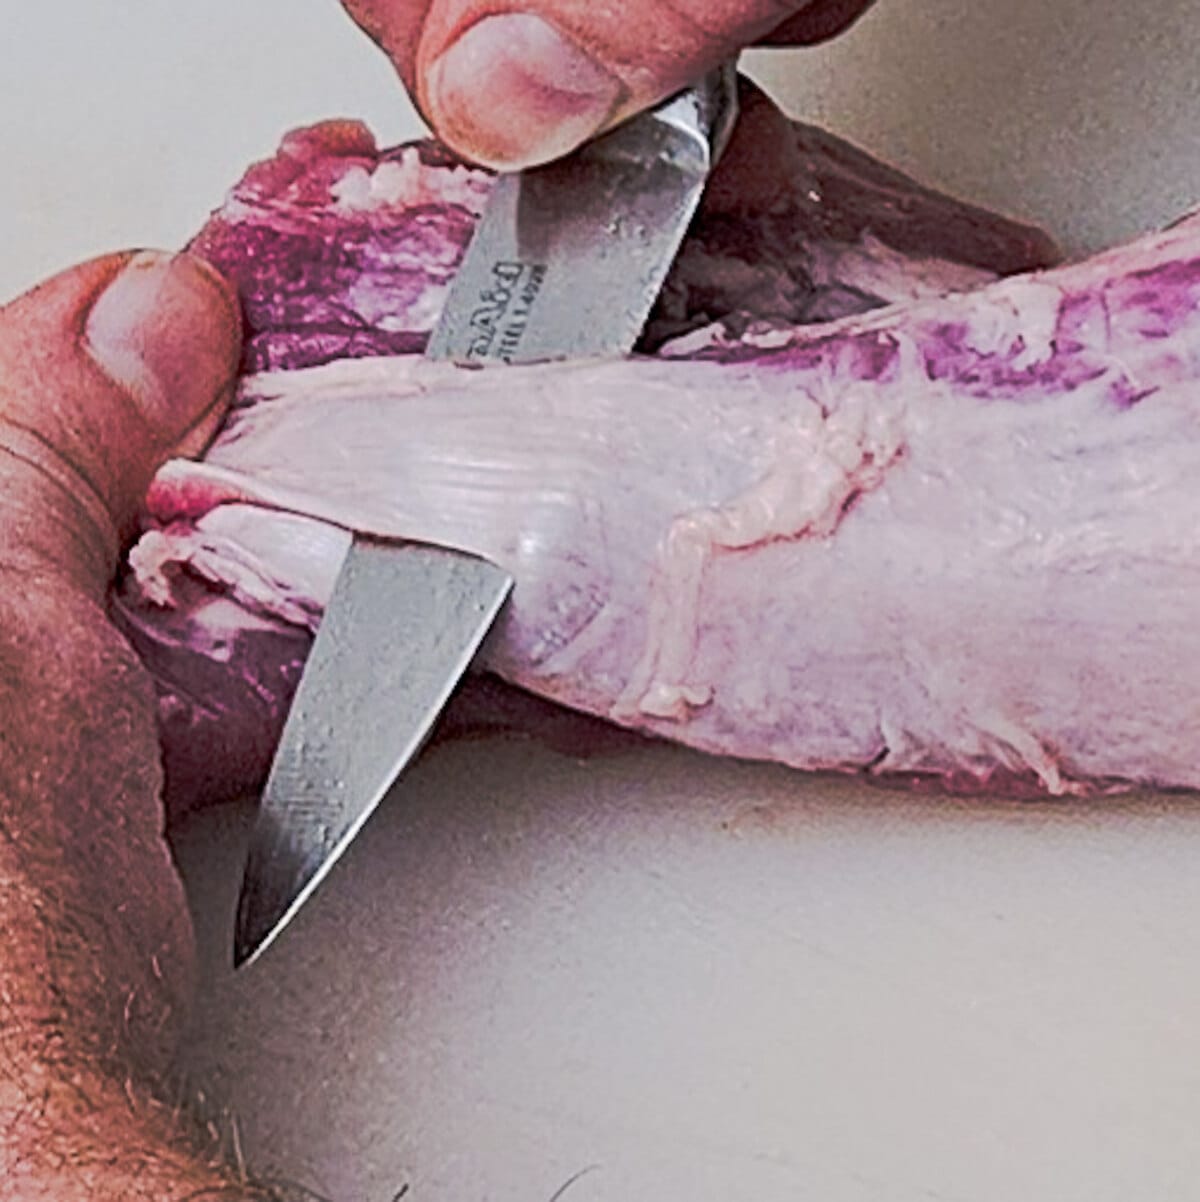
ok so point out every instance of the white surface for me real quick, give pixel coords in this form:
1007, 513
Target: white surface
1077, 114
710, 980
715, 981
126, 121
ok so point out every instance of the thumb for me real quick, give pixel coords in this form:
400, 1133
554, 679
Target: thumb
105, 371
512, 89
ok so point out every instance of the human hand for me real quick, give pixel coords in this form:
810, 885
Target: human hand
512, 87
105, 371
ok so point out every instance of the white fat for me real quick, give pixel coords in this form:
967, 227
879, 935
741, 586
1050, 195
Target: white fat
407, 181
393, 181
819, 463
872, 267
1016, 319
696, 342
421, 314
353, 191
277, 564
978, 736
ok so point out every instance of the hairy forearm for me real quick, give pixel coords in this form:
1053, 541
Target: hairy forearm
96, 960
76, 1134
105, 370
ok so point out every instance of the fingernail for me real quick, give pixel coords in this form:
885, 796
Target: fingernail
163, 330
513, 92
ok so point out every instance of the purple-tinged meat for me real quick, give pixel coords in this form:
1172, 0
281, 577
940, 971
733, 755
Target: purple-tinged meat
341, 251
954, 538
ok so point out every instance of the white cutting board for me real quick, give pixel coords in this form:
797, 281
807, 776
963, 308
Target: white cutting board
707, 980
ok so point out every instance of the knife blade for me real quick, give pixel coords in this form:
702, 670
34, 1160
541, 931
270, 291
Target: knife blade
402, 626
569, 258
566, 262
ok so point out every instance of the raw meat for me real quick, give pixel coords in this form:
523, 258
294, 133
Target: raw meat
953, 538
342, 251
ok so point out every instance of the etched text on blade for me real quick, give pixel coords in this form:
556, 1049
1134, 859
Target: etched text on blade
569, 259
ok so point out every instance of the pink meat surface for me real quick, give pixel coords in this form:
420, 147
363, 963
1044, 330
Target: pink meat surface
952, 537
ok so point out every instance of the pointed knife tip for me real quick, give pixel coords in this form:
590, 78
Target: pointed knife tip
253, 933
246, 946
250, 943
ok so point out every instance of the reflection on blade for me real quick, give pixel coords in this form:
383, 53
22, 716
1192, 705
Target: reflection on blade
567, 262
568, 259
401, 628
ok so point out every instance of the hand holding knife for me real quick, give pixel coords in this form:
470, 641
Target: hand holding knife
567, 262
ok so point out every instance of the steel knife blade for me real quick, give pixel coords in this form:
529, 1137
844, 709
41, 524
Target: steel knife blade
569, 258
402, 626
566, 262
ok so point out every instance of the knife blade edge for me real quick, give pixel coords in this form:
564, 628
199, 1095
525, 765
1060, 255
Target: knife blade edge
677, 144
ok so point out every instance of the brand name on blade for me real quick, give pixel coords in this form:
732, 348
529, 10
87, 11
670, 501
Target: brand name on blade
499, 321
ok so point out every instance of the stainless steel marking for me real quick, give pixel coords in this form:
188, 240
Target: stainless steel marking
569, 258
567, 262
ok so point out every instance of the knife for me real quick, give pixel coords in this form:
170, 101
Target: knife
566, 262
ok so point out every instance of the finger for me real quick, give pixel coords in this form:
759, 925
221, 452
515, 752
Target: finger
105, 371
513, 88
